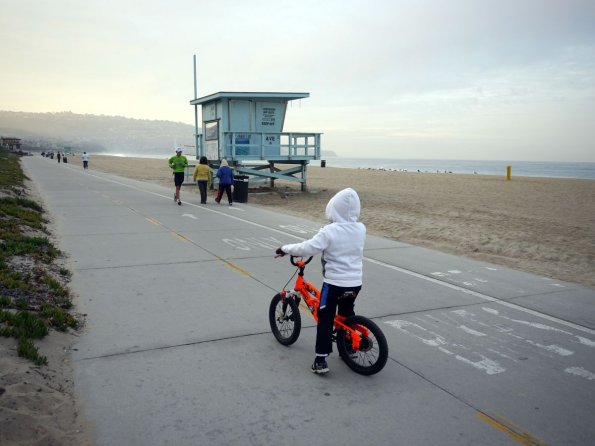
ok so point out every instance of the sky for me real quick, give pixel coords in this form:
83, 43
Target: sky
433, 79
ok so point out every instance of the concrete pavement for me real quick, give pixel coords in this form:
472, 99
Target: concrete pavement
178, 350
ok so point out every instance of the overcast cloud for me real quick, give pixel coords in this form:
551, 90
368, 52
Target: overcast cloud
466, 79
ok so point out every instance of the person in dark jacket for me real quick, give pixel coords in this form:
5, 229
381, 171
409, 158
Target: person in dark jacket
225, 175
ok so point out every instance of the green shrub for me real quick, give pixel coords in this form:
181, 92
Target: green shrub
26, 349
29, 325
58, 318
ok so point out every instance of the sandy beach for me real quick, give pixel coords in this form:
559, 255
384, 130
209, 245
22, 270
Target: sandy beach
544, 226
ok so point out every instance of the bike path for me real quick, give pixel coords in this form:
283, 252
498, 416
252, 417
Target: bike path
178, 350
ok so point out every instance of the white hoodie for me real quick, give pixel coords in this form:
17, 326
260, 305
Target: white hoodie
341, 242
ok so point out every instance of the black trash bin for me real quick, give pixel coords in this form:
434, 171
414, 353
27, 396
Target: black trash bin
322, 163
240, 189
64, 159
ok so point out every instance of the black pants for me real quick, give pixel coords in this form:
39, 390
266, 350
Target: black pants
202, 188
227, 189
331, 298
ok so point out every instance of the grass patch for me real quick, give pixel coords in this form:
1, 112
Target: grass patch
58, 318
65, 273
37, 247
11, 280
32, 300
27, 350
11, 174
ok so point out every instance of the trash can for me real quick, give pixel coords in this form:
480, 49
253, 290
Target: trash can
64, 159
322, 163
240, 189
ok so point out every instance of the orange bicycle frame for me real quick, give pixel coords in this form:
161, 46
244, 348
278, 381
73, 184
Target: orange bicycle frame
311, 296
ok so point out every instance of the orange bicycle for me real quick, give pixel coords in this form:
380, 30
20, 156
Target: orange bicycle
360, 341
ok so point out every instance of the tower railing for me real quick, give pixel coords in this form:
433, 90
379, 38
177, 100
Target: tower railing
271, 146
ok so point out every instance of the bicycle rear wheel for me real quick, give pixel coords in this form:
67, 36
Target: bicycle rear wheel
372, 354
285, 319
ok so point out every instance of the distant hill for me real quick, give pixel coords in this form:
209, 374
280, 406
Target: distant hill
97, 134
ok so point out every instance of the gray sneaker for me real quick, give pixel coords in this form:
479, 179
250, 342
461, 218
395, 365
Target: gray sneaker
320, 367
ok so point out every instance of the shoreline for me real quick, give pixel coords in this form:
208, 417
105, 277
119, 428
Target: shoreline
540, 225
342, 164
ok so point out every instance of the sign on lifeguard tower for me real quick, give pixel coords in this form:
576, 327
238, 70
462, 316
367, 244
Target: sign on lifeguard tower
247, 127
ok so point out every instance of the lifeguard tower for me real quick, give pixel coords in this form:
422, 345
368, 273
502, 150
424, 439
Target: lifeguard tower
247, 130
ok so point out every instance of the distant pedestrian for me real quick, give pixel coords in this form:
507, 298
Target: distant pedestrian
59, 157
85, 160
203, 178
178, 163
225, 175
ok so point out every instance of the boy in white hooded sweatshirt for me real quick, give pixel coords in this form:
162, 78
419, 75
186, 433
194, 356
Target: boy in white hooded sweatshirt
342, 245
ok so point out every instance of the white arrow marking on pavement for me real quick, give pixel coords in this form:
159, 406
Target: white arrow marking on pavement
192, 216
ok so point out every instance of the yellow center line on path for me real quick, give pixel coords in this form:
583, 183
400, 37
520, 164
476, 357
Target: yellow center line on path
155, 222
235, 267
181, 237
513, 431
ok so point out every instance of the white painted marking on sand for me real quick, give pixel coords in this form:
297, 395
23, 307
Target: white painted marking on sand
503, 328
482, 296
579, 371
522, 322
480, 280
463, 313
486, 364
551, 348
490, 268
192, 216
585, 341
398, 323
300, 229
490, 310
454, 271
237, 244
246, 244
434, 342
439, 274
471, 331
537, 325
504, 355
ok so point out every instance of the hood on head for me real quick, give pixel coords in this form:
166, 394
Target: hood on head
224, 162
343, 207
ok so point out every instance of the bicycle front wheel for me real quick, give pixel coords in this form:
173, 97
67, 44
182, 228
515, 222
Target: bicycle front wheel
285, 319
372, 354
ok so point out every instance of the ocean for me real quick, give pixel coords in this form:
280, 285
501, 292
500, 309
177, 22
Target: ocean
549, 169
519, 168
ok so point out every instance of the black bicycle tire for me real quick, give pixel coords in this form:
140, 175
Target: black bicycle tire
355, 361
297, 320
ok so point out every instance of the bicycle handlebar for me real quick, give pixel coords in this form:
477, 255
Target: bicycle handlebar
295, 264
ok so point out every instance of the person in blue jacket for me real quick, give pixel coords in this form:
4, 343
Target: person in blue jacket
225, 175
